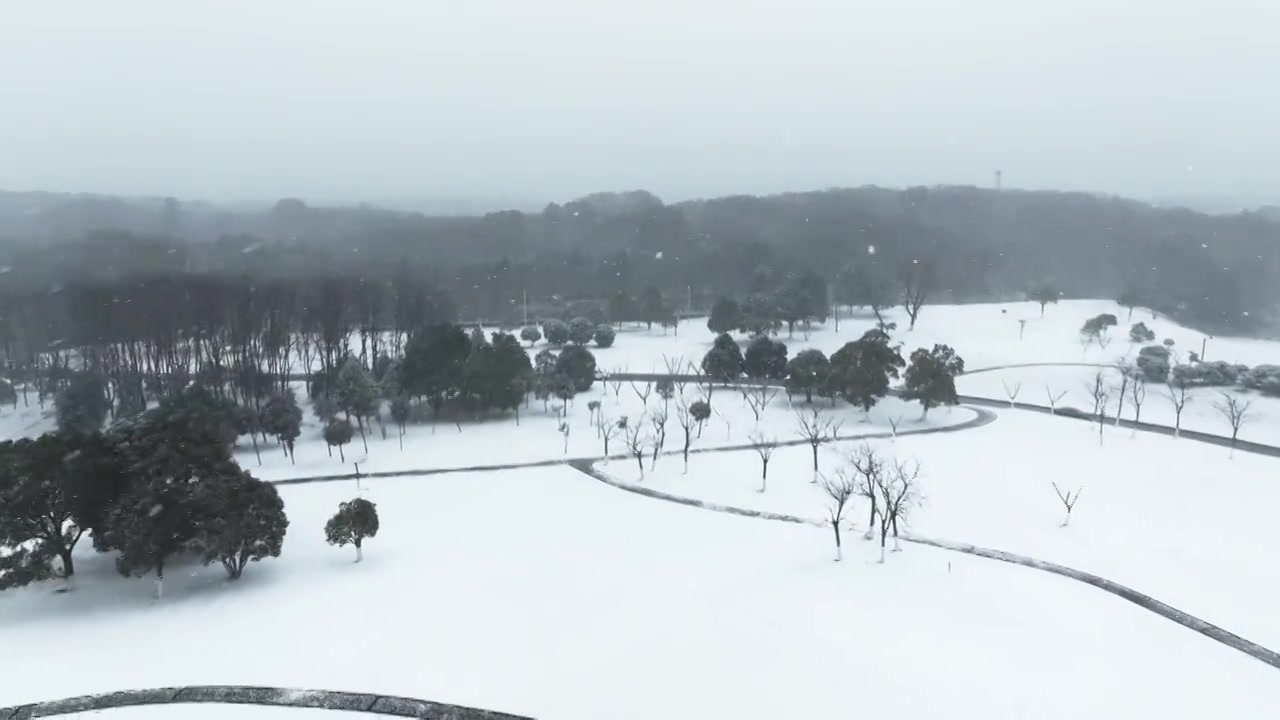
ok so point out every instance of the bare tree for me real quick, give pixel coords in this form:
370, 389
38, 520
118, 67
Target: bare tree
1126, 374
1068, 501
1178, 394
728, 426
616, 382
1098, 389
1053, 399
868, 468
659, 421
840, 490
1011, 391
898, 493
644, 396
1138, 394
564, 430
608, 429
635, 443
688, 422
1236, 411
894, 422
816, 430
675, 368
758, 398
764, 445
1104, 338
915, 289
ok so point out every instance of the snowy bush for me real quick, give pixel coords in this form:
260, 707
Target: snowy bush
1153, 361
1210, 374
556, 332
604, 335
581, 330
1264, 378
1141, 333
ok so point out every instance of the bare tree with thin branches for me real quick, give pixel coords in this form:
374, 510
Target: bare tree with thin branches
635, 443
1068, 500
1236, 411
675, 368
1179, 395
868, 468
659, 422
1126, 375
728, 425
687, 421
894, 422
764, 445
1053, 399
915, 289
644, 396
1138, 394
564, 430
1011, 391
1098, 389
898, 493
616, 382
816, 430
758, 398
840, 490
608, 429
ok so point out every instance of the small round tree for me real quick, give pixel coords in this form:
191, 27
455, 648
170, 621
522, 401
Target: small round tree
556, 332
765, 359
581, 330
338, 432
579, 365
354, 521
530, 335
724, 360
604, 336
807, 373
247, 522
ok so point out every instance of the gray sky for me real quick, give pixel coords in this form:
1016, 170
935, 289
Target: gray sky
549, 99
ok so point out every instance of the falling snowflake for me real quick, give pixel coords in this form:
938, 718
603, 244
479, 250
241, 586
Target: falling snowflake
871, 249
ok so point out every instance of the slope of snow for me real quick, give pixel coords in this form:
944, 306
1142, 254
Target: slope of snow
546, 593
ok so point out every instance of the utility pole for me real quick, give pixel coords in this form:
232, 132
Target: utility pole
999, 180
525, 293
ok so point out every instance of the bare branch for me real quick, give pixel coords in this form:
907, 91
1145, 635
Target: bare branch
1068, 500
764, 445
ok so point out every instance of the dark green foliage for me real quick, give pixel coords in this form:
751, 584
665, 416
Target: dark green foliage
931, 377
700, 410
82, 406
725, 316
355, 520
765, 359
400, 411
604, 336
666, 389
1153, 363
1140, 333
802, 299
496, 375
130, 401
581, 330
760, 315
476, 338
321, 383
244, 520
530, 335
724, 360
356, 392
338, 432
588, 309
556, 332
1209, 374
579, 365
1263, 378
859, 372
433, 363
653, 308
1096, 326
210, 423
282, 418
8, 396
324, 408
622, 308
807, 373
1044, 294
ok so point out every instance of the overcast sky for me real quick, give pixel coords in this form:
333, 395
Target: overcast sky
538, 100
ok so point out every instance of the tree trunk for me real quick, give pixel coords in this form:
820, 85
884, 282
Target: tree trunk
640, 463
402, 439
764, 475
159, 581
835, 525
1068, 520
68, 564
255, 448
359, 553
882, 539
360, 424
341, 455
330, 447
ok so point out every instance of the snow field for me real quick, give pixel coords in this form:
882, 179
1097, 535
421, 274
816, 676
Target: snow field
544, 592
1172, 518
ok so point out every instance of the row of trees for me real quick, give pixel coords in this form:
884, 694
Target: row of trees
858, 373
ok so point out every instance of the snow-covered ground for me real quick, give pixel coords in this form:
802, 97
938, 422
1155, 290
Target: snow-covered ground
1175, 519
544, 592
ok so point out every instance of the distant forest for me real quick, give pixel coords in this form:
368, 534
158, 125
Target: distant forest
80, 270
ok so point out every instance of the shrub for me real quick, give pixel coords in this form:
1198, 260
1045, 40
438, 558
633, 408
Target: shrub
1153, 361
1263, 378
604, 336
581, 330
556, 332
1210, 374
1141, 333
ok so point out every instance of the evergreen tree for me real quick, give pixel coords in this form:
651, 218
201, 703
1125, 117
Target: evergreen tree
579, 365
931, 377
338, 432
765, 359
725, 316
581, 330
82, 406
556, 332
807, 373
724, 360
860, 371
354, 521
245, 521
530, 335
604, 336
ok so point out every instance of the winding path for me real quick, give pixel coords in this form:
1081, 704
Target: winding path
268, 696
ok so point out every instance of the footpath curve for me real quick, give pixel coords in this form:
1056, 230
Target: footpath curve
266, 696
1142, 600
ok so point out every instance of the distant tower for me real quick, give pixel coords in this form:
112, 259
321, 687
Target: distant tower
999, 179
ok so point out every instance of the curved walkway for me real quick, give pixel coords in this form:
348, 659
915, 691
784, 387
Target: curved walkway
268, 696
1014, 366
1147, 602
